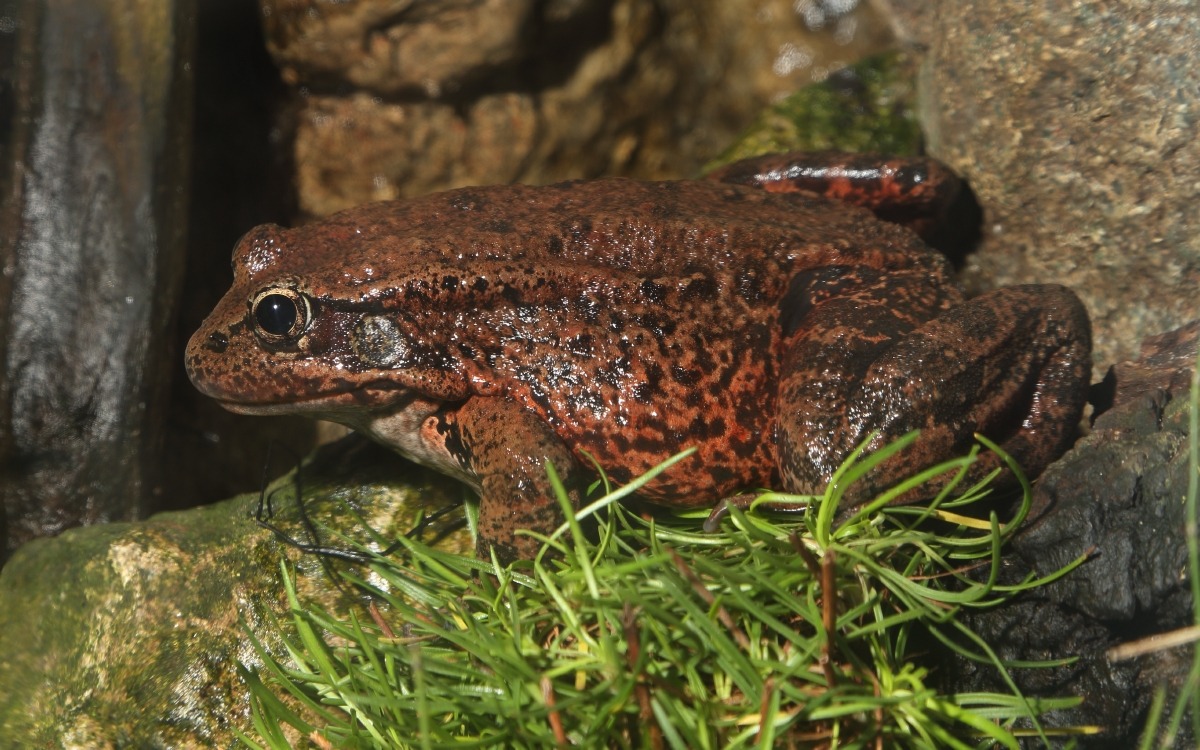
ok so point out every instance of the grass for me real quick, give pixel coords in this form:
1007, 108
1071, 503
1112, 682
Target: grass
806, 629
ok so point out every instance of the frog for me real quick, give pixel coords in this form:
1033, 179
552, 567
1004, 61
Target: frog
772, 317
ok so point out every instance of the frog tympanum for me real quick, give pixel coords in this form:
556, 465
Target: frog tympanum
756, 316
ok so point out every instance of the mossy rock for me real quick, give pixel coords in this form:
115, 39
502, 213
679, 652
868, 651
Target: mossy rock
130, 634
870, 106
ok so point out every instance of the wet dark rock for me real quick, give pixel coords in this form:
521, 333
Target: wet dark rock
1120, 492
95, 117
1117, 497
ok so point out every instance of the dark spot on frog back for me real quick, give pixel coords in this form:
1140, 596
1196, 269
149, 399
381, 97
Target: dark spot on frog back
749, 285
684, 376
700, 288
593, 305
653, 291
579, 230
650, 388
614, 373
619, 474
582, 345
704, 427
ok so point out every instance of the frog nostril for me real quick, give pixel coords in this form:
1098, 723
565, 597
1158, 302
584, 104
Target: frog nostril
217, 342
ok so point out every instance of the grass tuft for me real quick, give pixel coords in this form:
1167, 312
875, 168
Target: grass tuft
809, 629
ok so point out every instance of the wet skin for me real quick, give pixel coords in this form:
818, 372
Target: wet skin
485, 331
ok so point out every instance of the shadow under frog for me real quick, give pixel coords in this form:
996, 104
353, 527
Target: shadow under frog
758, 316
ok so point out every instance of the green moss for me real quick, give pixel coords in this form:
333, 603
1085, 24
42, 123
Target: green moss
867, 107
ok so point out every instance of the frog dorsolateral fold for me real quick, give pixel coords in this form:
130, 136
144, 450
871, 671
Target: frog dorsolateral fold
756, 316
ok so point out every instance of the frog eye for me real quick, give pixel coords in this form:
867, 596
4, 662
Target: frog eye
280, 314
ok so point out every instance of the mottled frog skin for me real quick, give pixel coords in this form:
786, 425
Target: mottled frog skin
485, 331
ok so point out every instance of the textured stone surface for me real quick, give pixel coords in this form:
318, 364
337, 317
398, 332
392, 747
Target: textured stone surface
404, 47
400, 98
96, 123
1075, 124
868, 106
129, 635
1117, 497
1120, 493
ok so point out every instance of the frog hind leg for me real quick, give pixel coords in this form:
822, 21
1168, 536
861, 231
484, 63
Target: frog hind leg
507, 447
1012, 364
913, 191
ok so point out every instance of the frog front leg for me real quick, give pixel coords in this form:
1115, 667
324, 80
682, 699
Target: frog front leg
1012, 364
507, 447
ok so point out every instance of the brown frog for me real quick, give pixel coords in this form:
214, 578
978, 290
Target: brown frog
488, 330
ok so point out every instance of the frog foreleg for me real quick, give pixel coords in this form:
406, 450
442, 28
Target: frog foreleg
508, 447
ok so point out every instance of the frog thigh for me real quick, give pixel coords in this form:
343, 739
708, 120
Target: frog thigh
1012, 364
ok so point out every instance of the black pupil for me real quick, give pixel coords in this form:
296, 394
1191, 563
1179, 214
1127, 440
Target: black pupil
276, 314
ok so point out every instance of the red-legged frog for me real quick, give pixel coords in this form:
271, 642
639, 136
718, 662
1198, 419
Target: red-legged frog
756, 316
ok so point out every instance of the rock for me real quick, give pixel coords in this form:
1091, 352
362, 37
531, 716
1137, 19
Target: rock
132, 632
868, 106
1120, 491
909, 20
401, 99
93, 205
1074, 123
1117, 497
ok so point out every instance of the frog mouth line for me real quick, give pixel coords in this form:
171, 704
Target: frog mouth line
367, 397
